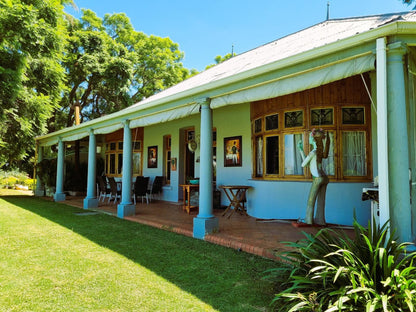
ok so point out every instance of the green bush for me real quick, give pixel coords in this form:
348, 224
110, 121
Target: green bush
46, 170
330, 271
30, 183
10, 178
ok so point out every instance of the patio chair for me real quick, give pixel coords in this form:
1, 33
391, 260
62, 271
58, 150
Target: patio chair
156, 186
103, 190
141, 188
114, 192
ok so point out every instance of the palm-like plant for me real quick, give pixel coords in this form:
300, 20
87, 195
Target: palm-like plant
330, 271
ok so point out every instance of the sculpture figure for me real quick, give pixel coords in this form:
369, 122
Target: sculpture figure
320, 179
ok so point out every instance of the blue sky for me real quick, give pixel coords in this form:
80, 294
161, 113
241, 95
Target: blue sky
205, 29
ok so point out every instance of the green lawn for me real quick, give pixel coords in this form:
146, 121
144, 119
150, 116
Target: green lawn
54, 259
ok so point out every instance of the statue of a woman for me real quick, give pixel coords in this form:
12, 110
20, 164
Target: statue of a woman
320, 179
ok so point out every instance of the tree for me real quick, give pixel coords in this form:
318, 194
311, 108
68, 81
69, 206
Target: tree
50, 62
409, 2
31, 45
110, 66
219, 59
98, 72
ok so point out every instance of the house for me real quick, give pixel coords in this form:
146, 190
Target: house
352, 77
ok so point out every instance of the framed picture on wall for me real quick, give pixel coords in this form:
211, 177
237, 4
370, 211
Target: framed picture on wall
152, 157
233, 152
173, 162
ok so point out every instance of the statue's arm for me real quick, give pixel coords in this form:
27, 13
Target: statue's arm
308, 159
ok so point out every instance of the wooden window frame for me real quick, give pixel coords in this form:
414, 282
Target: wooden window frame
117, 152
337, 128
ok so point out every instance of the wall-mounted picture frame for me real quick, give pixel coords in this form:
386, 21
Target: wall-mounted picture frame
233, 153
152, 157
173, 163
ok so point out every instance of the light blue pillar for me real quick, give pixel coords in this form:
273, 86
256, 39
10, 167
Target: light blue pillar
382, 131
39, 187
205, 222
59, 192
91, 200
399, 191
126, 207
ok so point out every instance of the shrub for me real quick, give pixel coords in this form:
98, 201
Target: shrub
11, 178
330, 271
30, 183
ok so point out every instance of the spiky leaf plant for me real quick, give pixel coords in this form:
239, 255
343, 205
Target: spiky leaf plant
331, 271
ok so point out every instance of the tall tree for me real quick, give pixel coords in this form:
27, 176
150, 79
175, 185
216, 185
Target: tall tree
98, 72
31, 46
219, 59
409, 2
110, 66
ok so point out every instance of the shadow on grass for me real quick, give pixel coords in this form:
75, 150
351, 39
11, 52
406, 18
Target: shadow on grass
223, 278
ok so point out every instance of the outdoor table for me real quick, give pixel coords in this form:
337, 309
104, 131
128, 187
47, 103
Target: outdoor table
187, 189
236, 195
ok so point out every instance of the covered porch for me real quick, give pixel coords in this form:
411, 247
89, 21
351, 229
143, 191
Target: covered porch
240, 232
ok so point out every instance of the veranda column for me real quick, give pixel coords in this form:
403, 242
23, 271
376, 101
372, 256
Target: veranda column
399, 192
205, 222
39, 189
59, 192
91, 200
126, 207
382, 131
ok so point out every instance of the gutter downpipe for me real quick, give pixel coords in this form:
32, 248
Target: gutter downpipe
382, 128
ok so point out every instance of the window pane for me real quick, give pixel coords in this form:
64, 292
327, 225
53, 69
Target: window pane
272, 155
354, 153
168, 163
322, 117
294, 119
112, 163
257, 125
293, 158
353, 116
107, 171
120, 146
329, 163
272, 122
137, 145
113, 146
259, 156
191, 135
137, 163
120, 164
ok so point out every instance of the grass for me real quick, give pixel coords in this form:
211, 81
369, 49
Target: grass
54, 258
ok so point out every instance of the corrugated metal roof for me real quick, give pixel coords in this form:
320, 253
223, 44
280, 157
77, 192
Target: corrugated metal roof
310, 38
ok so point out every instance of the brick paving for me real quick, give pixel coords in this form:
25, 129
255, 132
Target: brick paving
248, 234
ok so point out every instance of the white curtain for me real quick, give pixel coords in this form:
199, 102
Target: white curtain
259, 156
354, 153
293, 158
329, 163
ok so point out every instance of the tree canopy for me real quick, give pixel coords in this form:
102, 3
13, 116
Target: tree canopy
109, 66
219, 59
50, 62
31, 75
